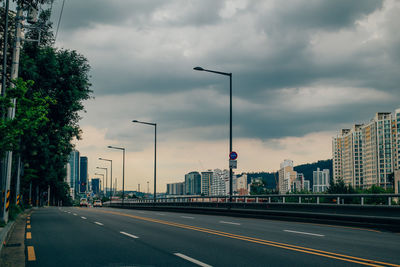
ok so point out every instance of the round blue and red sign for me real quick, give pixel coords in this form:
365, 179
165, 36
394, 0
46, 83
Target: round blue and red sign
233, 155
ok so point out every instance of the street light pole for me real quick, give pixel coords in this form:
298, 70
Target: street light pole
155, 154
123, 170
106, 178
230, 120
109, 160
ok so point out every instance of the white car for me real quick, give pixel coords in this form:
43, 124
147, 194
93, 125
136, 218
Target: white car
97, 203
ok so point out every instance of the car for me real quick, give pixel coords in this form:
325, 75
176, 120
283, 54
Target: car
83, 202
97, 203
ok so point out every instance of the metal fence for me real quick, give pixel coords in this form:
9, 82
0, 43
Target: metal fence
338, 199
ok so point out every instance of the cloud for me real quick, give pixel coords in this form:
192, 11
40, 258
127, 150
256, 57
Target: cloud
299, 68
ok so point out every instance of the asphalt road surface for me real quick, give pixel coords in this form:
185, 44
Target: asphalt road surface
69, 236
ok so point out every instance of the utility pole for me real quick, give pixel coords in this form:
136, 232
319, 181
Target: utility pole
17, 187
2, 93
11, 110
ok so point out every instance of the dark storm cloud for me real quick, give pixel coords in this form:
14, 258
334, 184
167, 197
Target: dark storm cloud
316, 14
138, 13
268, 46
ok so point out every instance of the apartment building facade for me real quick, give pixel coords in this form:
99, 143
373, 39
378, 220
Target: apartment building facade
286, 176
368, 154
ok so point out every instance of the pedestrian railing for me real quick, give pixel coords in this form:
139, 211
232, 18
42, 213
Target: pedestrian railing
319, 199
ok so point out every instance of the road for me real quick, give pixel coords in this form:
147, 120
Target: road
70, 236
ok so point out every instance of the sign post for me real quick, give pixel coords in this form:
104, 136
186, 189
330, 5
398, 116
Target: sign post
232, 160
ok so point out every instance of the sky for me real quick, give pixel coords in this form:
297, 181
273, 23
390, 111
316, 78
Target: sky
302, 70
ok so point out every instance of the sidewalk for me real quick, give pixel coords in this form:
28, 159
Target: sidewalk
13, 247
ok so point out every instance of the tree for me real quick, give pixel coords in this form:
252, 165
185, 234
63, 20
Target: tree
62, 82
340, 187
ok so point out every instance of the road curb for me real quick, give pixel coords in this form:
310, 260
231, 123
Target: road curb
4, 233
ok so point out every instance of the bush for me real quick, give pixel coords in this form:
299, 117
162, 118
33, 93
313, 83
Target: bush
13, 212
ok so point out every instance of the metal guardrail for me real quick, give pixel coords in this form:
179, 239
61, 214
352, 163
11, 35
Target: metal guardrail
339, 199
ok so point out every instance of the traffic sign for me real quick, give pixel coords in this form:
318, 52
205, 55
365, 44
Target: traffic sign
233, 155
233, 164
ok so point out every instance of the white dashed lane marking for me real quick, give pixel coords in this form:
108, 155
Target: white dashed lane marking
302, 233
130, 235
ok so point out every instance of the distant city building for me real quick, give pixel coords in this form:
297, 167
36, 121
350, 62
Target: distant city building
193, 183
320, 180
220, 183
368, 154
298, 183
74, 165
286, 176
83, 177
96, 186
176, 189
206, 180
241, 187
306, 185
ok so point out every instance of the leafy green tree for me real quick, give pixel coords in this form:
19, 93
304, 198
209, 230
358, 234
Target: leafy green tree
340, 187
47, 110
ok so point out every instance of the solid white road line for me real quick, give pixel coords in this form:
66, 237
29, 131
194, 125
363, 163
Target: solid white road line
303, 233
192, 260
229, 223
133, 236
141, 212
162, 214
98, 223
187, 217
83, 218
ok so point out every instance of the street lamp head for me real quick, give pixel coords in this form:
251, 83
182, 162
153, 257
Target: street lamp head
135, 121
198, 68
109, 146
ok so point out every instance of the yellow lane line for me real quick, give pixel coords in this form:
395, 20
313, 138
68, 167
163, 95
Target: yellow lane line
28, 235
28, 221
31, 253
28, 226
262, 241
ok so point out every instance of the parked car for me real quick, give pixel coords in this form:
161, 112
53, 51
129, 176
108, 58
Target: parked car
83, 202
97, 203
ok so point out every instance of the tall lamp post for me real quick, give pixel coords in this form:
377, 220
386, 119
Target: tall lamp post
100, 168
109, 160
155, 154
123, 169
230, 120
100, 174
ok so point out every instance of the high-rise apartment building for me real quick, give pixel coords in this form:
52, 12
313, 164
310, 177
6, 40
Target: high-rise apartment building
368, 154
74, 165
286, 176
220, 183
206, 180
96, 186
241, 186
175, 188
320, 180
83, 175
298, 183
193, 183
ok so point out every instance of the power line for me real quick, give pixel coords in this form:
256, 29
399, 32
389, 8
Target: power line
59, 20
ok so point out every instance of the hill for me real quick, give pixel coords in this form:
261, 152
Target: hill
271, 178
